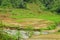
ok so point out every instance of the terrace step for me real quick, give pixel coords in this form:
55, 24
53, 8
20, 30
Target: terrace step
46, 37
35, 23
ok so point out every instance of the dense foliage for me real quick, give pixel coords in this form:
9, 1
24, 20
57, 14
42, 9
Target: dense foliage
49, 4
52, 5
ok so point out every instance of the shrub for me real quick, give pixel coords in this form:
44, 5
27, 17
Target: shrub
58, 30
51, 27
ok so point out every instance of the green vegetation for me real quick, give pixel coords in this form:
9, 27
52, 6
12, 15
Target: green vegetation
20, 9
31, 9
5, 36
22, 13
51, 27
58, 30
52, 5
39, 10
30, 30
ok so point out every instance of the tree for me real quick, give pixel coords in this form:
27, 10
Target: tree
0, 2
12, 3
18, 3
6, 4
55, 5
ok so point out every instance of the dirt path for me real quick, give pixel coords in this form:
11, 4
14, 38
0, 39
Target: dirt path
46, 37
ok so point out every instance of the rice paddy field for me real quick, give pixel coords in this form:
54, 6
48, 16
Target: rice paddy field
29, 24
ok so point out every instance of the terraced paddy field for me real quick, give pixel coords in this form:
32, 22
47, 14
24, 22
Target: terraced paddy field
32, 24
47, 23
26, 22
29, 20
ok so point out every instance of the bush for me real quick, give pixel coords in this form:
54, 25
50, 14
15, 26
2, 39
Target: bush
51, 27
1, 25
58, 30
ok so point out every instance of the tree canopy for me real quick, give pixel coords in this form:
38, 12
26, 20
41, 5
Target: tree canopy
52, 5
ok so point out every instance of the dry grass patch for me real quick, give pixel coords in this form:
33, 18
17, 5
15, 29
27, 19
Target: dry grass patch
35, 23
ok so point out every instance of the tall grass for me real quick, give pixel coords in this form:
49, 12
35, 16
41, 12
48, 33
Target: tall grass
23, 13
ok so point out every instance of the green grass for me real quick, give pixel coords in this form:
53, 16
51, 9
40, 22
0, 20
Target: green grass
32, 11
5, 36
22, 13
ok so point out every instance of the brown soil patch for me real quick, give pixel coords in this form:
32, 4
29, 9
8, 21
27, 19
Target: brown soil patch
25, 22
46, 37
